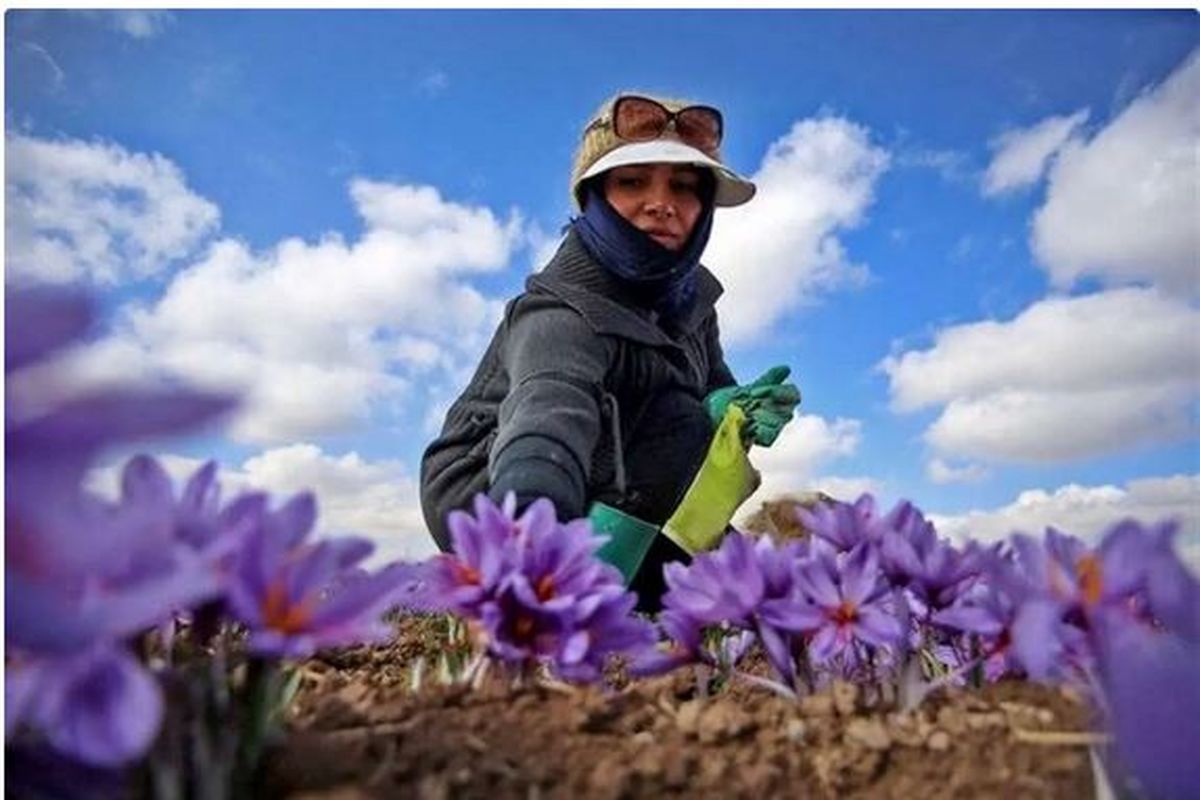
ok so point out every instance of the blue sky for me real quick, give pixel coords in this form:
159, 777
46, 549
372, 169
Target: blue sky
975, 240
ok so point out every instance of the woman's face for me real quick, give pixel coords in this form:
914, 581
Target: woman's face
661, 200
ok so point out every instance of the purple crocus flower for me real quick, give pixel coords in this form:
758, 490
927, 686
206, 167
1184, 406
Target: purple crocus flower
746, 583
989, 612
535, 588
843, 525
79, 569
484, 552
598, 630
1060, 587
912, 556
1149, 682
1173, 593
684, 645
1109, 576
99, 706
293, 595
555, 564
846, 600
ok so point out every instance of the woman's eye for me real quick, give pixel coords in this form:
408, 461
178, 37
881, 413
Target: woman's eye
685, 187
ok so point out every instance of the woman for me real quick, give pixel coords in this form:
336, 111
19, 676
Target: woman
605, 378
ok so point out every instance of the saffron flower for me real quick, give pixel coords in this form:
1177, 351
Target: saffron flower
913, 556
484, 553
80, 569
295, 596
988, 611
1149, 682
846, 602
98, 706
745, 583
535, 589
843, 525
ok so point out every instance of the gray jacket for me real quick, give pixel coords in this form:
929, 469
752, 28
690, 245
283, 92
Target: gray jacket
562, 384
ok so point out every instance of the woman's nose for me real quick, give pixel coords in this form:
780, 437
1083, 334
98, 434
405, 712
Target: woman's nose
659, 202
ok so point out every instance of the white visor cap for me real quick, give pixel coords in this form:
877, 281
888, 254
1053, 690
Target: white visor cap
732, 189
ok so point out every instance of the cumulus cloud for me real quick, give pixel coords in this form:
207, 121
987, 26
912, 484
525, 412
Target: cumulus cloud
375, 499
1067, 378
1087, 512
794, 463
782, 249
1021, 156
1123, 206
79, 210
320, 335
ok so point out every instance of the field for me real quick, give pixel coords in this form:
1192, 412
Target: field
357, 729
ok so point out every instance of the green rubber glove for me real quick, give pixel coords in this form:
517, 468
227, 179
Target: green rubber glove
723, 482
629, 538
768, 402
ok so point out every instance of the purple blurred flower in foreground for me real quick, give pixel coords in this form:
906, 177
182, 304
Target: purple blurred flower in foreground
846, 601
1149, 679
99, 706
536, 589
79, 569
296, 596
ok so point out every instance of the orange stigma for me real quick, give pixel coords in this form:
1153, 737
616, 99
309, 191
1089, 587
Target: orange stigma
544, 588
283, 616
466, 573
846, 613
1091, 580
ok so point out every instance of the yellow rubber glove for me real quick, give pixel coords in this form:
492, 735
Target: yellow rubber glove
723, 482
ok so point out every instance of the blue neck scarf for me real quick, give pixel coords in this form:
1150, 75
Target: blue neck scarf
659, 279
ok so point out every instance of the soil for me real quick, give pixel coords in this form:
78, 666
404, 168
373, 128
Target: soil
359, 730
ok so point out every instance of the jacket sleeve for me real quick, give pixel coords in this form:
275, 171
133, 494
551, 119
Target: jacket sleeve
719, 374
550, 421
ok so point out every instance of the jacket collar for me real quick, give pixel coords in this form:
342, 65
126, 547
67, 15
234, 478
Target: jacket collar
574, 277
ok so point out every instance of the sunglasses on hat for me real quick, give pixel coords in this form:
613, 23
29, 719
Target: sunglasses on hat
640, 119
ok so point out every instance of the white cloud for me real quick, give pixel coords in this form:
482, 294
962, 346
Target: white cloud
1088, 511
1067, 378
318, 336
952, 165
781, 249
804, 447
1123, 207
96, 211
1022, 155
375, 499
942, 472
433, 83
140, 23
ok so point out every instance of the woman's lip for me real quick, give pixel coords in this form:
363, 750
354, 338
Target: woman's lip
659, 235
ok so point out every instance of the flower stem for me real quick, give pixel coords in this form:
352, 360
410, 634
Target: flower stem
260, 699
